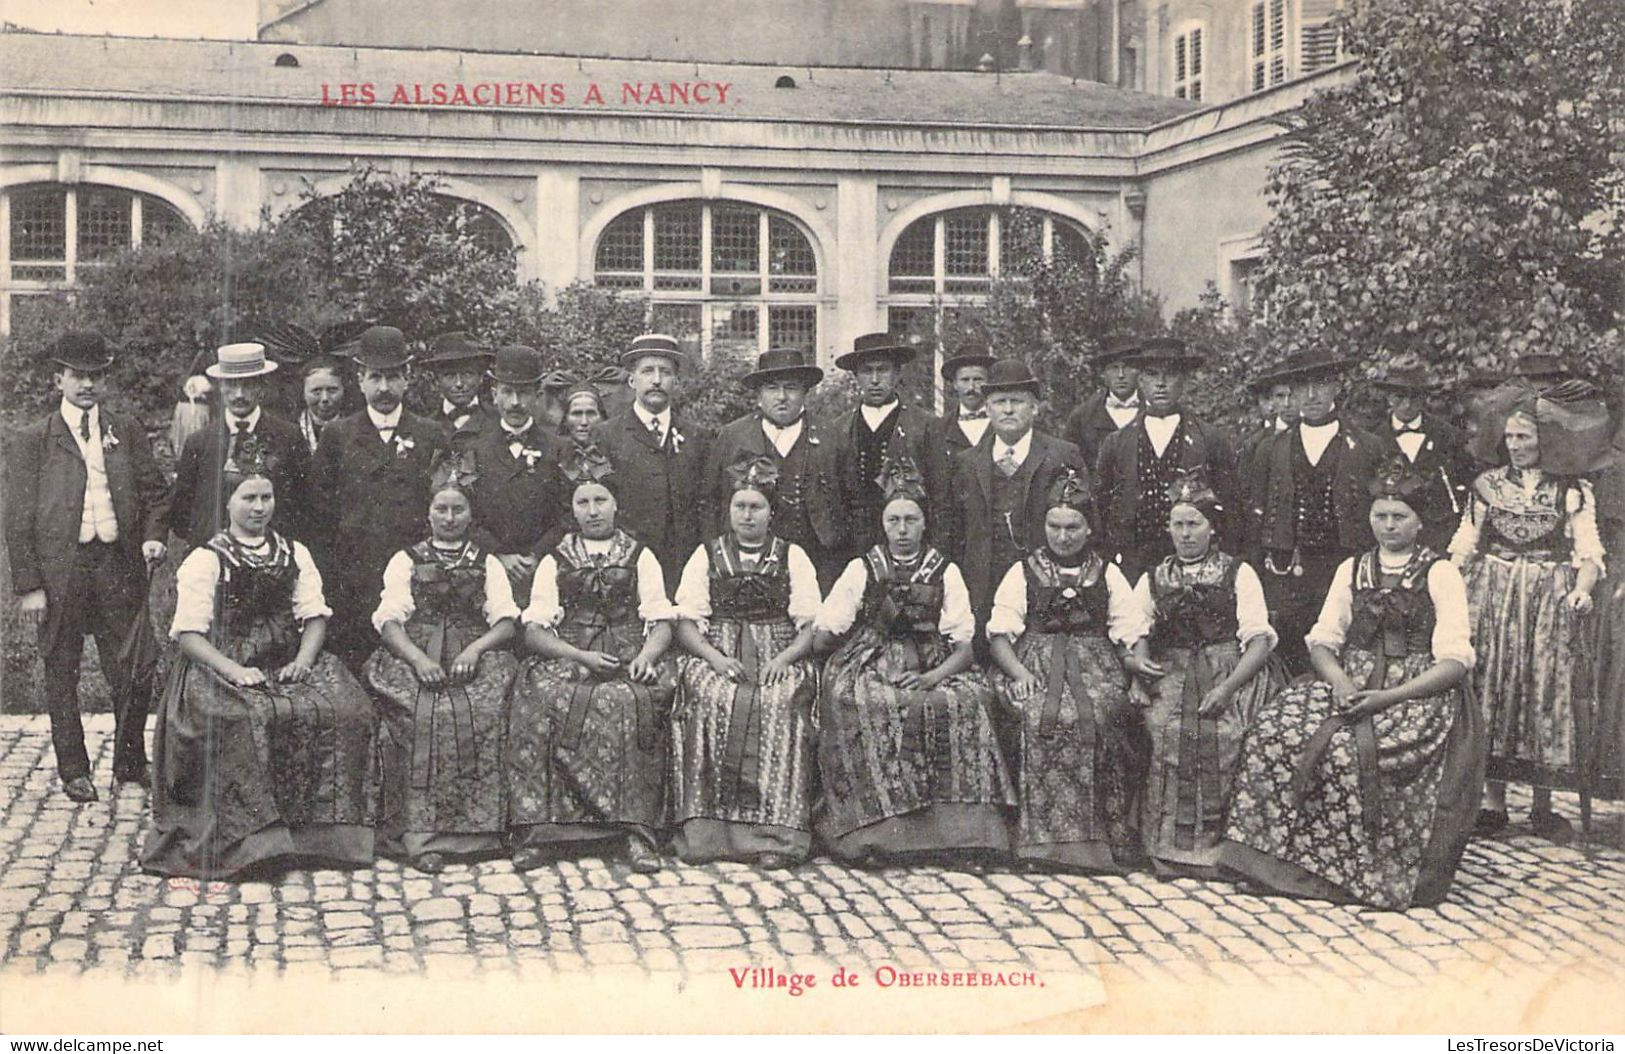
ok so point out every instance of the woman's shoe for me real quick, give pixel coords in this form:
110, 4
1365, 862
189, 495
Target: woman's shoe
1552, 827
529, 859
430, 863
1489, 822
645, 860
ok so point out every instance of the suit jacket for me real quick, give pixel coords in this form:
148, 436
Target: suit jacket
662, 497
197, 504
1447, 474
45, 481
1271, 488
372, 497
1089, 426
947, 442
1117, 470
971, 527
912, 434
484, 420
518, 501
812, 459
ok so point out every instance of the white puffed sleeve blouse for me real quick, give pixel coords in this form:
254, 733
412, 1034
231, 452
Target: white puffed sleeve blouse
395, 603
545, 610
693, 599
1451, 634
199, 575
840, 609
1126, 621
1252, 613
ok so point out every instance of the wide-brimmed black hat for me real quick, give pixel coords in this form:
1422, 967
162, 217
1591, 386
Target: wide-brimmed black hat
1543, 368
454, 349
517, 364
1117, 348
1478, 378
1166, 351
1008, 375
784, 364
1404, 379
382, 348
1307, 365
82, 352
875, 346
970, 354
661, 344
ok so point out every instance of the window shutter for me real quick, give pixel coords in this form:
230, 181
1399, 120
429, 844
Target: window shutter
1318, 34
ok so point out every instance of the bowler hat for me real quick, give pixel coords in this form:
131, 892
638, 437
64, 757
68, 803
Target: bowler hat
240, 362
1166, 351
1117, 348
1306, 365
517, 364
82, 352
971, 354
382, 348
785, 364
875, 346
454, 348
1542, 368
1011, 375
1404, 379
660, 344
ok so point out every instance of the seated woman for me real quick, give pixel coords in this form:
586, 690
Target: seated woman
906, 748
1056, 617
1363, 785
589, 718
264, 743
1206, 659
742, 724
442, 678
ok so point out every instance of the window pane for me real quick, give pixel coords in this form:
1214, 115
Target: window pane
1069, 244
1196, 91
793, 327
733, 331
1196, 52
159, 220
913, 258
1258, 30
1021, 240
39, 224
965, 242
913, 322
735, 238
677, 239
104, 223
678, 320
1277, 24
790, 261
620, 252
1179, 58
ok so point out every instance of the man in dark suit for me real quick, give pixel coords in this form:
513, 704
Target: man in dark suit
1137, 464
1437, 449
863, 438
197, 504
1114, 406
965, 423
805, 510
658, 457
372, 488
1308, 499
1275, 414
520, 493
459, 366
1000, 487
84, 512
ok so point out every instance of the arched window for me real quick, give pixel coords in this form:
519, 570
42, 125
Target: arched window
950, 259
50, 232
481, 223
734, 279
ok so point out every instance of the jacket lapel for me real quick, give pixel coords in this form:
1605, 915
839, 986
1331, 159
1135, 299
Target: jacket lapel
64, 438
635, 427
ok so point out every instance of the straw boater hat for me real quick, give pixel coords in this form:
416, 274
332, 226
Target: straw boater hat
382, 348
783, 363
82, 352
875, 346
239, 362
661, 344
454, 349
974, 353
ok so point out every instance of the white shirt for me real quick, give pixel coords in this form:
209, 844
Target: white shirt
1160, 430
395, 603
973, 429
1122, 411
1585, 543
1316, 438
1019, 450
252, 421
693, 600
1451, 639
840, 608
783, 439
385, 422
199, 575
546, 611
96, 519
1252, 613
459, 414
515, 444
649, 419
875, 416
1126, 621
311, 429
1409, 442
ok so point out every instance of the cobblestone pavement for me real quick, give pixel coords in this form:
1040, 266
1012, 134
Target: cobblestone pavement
72, 898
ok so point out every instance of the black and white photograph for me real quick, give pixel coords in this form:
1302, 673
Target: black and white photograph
812, 516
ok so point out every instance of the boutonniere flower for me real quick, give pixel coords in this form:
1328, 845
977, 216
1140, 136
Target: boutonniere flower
109, 440
814, 440
676, 440
530, 454
404, 444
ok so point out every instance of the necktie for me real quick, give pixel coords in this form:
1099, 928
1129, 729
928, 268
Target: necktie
1114, 403
973, 415
1007, 462
239, 430
656, 431
84, 425
1408, 430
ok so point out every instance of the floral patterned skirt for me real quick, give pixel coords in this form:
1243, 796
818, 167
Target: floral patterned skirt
1193, 757
742, 754
1082, 754
907, 771
243, 776
1534, 669
441, 749
587, 758
1381, 816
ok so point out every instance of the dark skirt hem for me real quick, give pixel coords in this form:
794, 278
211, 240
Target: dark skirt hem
167, 853
416, 843
1094, 857
1282, 877
702, 840
940, 827
544, 835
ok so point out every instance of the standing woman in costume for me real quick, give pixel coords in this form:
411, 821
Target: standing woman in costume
442, 677
907, 749
1529, 549
1205, 659
583, 407
742, 724
1059, 618
1360, 786
589, 719
264, 742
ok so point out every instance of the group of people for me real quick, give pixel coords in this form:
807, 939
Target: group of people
534, 622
